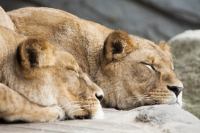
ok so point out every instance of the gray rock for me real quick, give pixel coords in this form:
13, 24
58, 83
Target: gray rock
156, 119
146, 119
186, 52
163, 114
186, 10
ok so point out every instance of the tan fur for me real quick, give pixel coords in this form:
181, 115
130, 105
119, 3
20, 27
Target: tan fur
5, 21
41, 83
13, 107
165, 47
121, 64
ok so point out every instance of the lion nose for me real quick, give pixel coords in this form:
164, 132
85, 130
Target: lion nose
98, 92
175, 89
99, 97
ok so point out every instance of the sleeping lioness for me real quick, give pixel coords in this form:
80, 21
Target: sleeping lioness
41, 83
132, 71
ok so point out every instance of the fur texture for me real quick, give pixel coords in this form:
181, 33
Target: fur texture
132, 71
41, 83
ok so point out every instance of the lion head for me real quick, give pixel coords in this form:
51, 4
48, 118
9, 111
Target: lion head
48, 76
136, 72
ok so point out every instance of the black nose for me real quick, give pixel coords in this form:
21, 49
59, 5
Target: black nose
99, 97
175, 89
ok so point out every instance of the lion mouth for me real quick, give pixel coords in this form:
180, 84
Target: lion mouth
155, 103
84, 109
87, 116
164, 100
177, 102
92, 115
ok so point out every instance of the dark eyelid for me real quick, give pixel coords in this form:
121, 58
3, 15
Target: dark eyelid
144, 63
153, 67
70, 68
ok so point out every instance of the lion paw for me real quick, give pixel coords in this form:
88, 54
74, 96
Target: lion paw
61, 115
57, 113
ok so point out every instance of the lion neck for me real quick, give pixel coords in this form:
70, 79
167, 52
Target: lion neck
94, 48
9, 41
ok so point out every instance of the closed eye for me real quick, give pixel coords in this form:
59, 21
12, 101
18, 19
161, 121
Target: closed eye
73, 70
70, 68
149, 66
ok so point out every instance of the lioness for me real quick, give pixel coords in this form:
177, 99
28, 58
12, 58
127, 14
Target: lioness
41, 83
132, 71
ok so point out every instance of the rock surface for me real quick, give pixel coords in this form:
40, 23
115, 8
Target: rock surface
186, 55
146, 119
155, 20
156, 119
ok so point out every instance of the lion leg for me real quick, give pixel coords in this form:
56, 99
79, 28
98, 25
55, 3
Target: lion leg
14, 106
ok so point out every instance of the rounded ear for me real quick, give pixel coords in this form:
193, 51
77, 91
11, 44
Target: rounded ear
117, 45
165, 47
33, 52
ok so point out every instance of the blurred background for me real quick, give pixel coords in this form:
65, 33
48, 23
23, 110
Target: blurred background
151, 19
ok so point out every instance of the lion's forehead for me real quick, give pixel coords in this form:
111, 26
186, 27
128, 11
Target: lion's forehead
151, 55
156, 55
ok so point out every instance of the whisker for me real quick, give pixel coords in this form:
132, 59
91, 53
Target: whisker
75, 110
66, 105
135, 103
76, 105
148, 98
70, 103
139, 100
72, 106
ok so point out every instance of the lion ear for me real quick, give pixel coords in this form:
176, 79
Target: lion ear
117, 45
165, 47
33, 52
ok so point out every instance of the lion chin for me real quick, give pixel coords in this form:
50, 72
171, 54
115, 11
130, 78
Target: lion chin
131, 71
